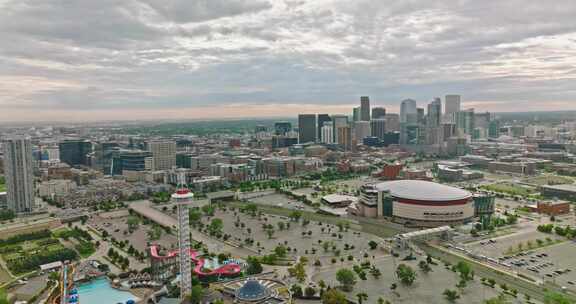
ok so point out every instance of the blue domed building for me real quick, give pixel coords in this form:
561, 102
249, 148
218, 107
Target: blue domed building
258, 290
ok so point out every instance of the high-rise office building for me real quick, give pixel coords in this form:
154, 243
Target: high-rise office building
465, 121
306, 128
452, 104
327, 136
322, 119
282, 128
74, 152
19, 174
356, 114
364, 108
378, 113
337, 122
494, 129
434, 118
392, 122
378, 128
130, 160
344, 134
103, 155
163, 154
408, 111
361, 130
421, 118
411, 134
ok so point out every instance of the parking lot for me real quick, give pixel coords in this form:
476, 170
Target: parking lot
554, 264
303, 240
281, 200
511, 243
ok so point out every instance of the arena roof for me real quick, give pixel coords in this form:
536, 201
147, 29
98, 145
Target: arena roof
423, 191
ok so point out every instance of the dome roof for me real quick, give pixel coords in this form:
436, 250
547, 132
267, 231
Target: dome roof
252, 290
423, 191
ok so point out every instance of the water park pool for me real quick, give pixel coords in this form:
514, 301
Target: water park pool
99, 291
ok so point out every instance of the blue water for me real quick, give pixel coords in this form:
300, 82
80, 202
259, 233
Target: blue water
99, 291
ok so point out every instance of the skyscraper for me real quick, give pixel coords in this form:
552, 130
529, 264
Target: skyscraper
378, 128
74, 152
378, 113
434, 113
364, 108
408, 111
19, 174
421, 117
392, 122
344, 137
327, 136
322, 119
337, 122
356, 114
465, 121
163, 154
306, 128
361, 130
452, 104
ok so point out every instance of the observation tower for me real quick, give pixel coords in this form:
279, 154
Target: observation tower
183, 197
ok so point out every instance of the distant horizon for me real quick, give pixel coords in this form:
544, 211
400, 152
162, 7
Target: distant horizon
242, 118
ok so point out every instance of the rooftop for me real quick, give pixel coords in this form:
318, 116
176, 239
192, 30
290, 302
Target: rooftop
423, 190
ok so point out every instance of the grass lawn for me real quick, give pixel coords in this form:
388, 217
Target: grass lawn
509, 188
549, 180
4, 276
2, 188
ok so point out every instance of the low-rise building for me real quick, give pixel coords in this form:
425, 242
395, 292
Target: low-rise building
524, 168
564, 192
338, 200
553, 208
55, 187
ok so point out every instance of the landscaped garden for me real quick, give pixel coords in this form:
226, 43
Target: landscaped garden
26, 252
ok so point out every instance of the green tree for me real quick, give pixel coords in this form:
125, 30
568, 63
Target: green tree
346, 278
362, 296
333, 296
296, 291
196, 294
132, 223
309, 292
451, 295
295, 215
556, 298
406, 274
216, 226
281, 251
424, 266
254, 266
373, 245
501, 299
465, 271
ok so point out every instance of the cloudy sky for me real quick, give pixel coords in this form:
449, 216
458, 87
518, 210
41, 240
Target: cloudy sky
142, 59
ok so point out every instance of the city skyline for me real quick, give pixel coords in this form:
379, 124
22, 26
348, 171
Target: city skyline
234, 59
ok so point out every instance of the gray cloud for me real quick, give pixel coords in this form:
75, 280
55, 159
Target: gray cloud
130, 54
